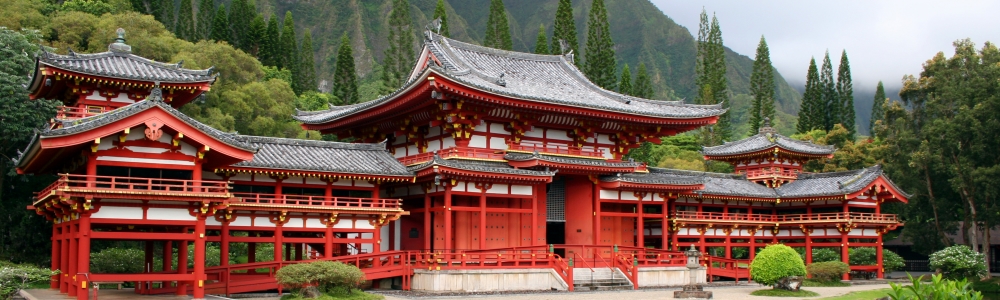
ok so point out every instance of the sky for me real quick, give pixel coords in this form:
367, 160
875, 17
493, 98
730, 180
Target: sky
884, 40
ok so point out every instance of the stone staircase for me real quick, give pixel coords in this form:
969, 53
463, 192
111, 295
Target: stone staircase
600, 279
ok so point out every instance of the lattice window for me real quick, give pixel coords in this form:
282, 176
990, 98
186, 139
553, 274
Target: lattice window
556, 201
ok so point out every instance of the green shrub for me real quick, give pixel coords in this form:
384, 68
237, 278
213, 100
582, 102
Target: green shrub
938, 289
118, 261
892, 261
774, 263
828, 270
825, 254
326, 275
15, 277
959, 262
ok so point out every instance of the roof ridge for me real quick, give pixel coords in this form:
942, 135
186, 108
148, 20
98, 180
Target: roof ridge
495, 51
312, 143
659, 170
837, 173
51, 56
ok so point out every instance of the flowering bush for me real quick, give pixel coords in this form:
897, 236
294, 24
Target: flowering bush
959, 262
15, 277
774, 263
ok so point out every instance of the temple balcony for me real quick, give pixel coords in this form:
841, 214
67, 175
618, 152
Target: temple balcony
454, 152
314, 203
64, 113
116, 187
556, 150
786, 220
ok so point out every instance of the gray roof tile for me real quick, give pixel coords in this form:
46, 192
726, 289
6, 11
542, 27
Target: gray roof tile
478, 166
764, 141
125, 65
322, 156
570, 160
833, 183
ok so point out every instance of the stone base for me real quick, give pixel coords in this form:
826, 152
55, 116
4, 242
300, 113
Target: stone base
670, 276
489, 280
693, 291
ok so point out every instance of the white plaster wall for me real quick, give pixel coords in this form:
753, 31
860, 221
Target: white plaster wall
487, 280
669, 276
117, 212
172, 214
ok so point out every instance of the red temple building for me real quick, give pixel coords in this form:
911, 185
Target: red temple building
483, 159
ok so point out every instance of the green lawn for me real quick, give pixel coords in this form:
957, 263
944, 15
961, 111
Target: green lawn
872, 294
814, 283
784, 293
354, 295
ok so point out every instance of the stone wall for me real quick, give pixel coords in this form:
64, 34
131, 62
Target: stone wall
487, 280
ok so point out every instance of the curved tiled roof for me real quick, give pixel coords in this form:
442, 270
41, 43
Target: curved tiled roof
833, 183
478, 166
656, 176
764, 141
122, 64
570, 160
322, 156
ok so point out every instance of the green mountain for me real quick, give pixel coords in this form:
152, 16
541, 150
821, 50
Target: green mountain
641, 32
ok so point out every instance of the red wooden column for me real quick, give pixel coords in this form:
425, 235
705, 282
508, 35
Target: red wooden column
482, 217
278, 235
56, 248
753, 234
640, 231
428, 245
298, 251
809, 250
597, 212
376, 239
83, 261
880, 273
224, 244
73, 256
168, 259
328, 242
64, 230
844, 245
199, 258
673, 235
534, 217
447, 218
251, 256
147, 267
182, 265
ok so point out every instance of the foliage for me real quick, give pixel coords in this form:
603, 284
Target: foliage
204, 19
828, 270
811, 110
959, 261
117, 260
257, 34
185, 22
220, 26
710, 72
14, 277
600, 66
542, 42
497, 29
274, 72
878, 114
991, 285
845, 95
23, 14
241, 13
774, 263
625, 84
830, 102
564, 29
866, 256
892, 261
938, 289
819, 283
313, 100
324, 274
339, 294
345, 78
761, 87
399, 55
440, 13
643, 85
783, 293
307, 66
165, 12
289, 52
96, 7
825, 254
269, 45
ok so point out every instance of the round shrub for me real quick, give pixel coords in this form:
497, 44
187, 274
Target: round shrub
325, 275
828, 270
892, 261
959, 262
774, 263
825, 254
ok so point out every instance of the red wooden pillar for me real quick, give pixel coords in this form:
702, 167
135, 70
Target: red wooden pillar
278, 235
54, 281
73, 256
482, 218
83, 261
640, 231
428, 245
182, 266
64, 234
597, 213
251, 256
199, 259
298, 251
328, 246
534, 217
878, 248
673, 235
447, 218
376, 239
224, 244
753, 234
168, 259
147, 266
844, 245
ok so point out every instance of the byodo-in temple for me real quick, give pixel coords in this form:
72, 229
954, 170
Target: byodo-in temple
487, 170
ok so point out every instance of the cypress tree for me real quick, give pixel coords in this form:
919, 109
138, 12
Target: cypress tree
289, 51
269, 45
307, 65
565, 29
497, 28
440, 13
206, 14
811, 109
258, 31
241, 14
717, 83
541, 42
830, 107
761, 87
139, 6
877, 113
600, 66
625, 85
399, 55
167, 9
701, 59
220, 25
185, 22
643, 87
345, 79
845, 95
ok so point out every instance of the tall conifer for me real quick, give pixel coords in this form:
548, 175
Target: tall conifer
761, 87
716, 89
497, 28
811, 109
241, 14
345, 80
831, 102
257, 34
307, 65
167, 9
399, 56
643, 87
289, 52
440, 13
206, 14
565, 29
542, 42
185, 22
702, 59
270, 44
600, 66
625, 85
877, 113
845, 95
220, 25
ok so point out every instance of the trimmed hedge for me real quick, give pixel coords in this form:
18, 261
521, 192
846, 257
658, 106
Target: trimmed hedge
774, 263
325, 275
828, 270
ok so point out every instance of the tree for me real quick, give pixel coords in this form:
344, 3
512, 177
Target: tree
220, 26
600, 66
269, 45
206, 14
541, 42
345, 78
761, 87
185, 22
711, 79
289, 52
830, 99
565, 30
643, 84
239, 23
811, 109
167, 9
625, 85
440, 13
497, 28
307, 66
845, 95
877, 113
257, 33
399, 54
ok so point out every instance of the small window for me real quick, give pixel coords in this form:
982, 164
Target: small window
95, 109
414, 233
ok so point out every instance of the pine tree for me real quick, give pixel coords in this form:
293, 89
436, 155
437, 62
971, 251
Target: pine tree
845, 95
714, 85
565, 30
289, 52
241, 14
830, 102
345, 80
185, 22
307, 65
761, 87
440, 13
139, 6
257, 33
399, 55
497, 28
701, 80
600, 66
541, 42
220, 25
269, 45
643, 87
169, 20
877, 113
811, 109
625, 85
206, 14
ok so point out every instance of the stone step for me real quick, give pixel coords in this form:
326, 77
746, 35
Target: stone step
588, 282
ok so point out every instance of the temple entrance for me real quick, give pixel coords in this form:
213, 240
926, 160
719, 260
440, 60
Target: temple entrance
555, 226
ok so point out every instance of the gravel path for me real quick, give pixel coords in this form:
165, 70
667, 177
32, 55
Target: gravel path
738, 292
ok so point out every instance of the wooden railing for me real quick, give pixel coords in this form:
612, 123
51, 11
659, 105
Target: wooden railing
768, 172
330, 202
70, 112
453, 152
117, 184
726, 267
770, 218
557, 149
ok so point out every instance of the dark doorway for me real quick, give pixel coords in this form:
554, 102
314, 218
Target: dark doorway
555, 233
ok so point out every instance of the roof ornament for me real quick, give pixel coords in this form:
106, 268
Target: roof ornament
70, 51
766, 128
156, 94
500, 80
434, 26
180, 64
119, 45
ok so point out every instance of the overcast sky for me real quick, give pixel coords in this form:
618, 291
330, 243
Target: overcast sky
884, 39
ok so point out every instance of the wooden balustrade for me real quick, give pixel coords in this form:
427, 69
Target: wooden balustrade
453, 152
767, 172
557, 149
323, 201
769, 218
70, 112
119, 184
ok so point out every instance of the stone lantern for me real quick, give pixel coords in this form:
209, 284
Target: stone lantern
693, 289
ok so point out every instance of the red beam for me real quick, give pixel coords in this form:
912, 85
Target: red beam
147, 236
140, 277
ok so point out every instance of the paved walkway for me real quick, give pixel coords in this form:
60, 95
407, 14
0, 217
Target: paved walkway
723, 293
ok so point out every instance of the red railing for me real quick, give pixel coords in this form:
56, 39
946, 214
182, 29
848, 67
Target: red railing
768, 218
116, 184
69, 112
329, 202
768, 172
453, 152
726, 267
557, 149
